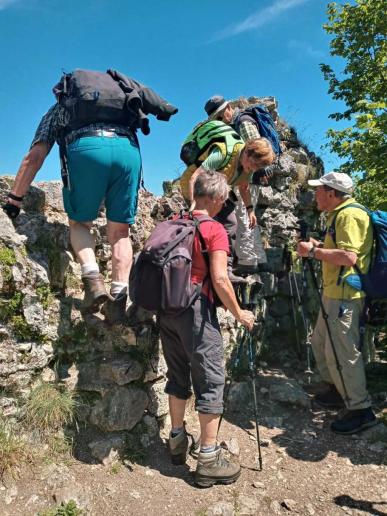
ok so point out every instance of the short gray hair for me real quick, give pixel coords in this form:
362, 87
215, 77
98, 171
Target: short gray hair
211, 184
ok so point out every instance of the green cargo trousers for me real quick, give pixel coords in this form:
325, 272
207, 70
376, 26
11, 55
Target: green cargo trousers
345, 334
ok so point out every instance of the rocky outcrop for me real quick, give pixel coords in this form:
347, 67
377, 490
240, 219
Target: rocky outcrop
121, 369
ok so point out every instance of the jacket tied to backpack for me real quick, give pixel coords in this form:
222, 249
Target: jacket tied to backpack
229, 167
110, 97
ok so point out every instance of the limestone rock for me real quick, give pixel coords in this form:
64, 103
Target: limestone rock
158, 405
288, 391
104, 372
107, 450
220, 509
119, 409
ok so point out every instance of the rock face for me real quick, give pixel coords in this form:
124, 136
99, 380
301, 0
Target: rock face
42, 331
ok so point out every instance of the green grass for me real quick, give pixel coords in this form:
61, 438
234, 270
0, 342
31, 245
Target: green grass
64, 509
49, 408
7, 256
14, 452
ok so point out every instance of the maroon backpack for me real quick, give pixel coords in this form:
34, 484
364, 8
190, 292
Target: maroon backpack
160, 279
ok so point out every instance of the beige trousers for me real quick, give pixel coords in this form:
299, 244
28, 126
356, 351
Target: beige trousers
345, 334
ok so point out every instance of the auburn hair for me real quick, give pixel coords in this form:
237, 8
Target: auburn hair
261, 151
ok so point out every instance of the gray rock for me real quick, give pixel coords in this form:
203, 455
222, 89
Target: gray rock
151, 424
121, 408
107, 450
156, 368
247, 506
377, 433
220, 509
101, 374
239, 396
288, 391
289, 504
158, 404
73, 491
275, 507
273, 422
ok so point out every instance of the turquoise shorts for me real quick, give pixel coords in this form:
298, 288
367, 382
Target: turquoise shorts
101, 169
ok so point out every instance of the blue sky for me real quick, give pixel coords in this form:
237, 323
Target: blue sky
186, 51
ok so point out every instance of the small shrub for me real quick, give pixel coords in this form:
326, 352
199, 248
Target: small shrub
13, 450
49, 408
45, 296
7, 256
64, 509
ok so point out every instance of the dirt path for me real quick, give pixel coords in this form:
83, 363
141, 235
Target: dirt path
306, 470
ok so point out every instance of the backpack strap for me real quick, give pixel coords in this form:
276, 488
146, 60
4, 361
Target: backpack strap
332, 232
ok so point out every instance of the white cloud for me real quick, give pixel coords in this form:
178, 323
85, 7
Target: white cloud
259, 18
6, 3
305, 49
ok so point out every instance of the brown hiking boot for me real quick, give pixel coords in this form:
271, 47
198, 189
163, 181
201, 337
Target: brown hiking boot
179, 447
114, 309
214, 468
95, 292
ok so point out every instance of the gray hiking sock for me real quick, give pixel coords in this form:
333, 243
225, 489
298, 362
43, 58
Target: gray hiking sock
208, 449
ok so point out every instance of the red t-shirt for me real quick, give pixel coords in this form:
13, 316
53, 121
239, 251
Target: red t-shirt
216, 239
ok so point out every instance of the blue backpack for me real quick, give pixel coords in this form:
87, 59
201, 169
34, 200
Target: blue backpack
265, 124
374, 282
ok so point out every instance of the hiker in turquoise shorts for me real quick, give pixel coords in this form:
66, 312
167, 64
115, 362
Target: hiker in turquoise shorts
94, 122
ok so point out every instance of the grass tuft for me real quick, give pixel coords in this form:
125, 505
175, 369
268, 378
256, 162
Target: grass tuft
64, 509
14, 452
49, 408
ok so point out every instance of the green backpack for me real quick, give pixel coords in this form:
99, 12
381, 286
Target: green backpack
203, 136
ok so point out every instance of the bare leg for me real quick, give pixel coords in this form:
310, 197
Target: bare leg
82, 241
208, 428
122, 254
177, 410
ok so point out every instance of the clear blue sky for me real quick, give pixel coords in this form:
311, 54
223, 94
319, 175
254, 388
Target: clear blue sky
186, 51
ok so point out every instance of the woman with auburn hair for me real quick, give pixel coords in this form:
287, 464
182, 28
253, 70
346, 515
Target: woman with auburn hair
246, 159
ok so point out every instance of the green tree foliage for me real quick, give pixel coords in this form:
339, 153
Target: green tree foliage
359, 32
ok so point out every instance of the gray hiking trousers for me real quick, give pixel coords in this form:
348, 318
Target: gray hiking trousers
193, 350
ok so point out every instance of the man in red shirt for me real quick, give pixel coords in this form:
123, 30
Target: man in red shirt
192, 342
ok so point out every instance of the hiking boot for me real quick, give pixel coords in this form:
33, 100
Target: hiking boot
330, 399
214, 468
178, 447
95, 292
114, 309
354, 421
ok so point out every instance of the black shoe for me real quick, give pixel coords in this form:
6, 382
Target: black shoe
354, 421
330, 399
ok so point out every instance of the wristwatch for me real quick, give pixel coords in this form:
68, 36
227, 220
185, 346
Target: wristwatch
311, 252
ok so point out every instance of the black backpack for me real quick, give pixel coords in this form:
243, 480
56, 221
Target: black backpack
160, 279
92, 97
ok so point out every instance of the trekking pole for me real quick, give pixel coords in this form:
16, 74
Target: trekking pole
308, 371
308, 262
252, 376
234, 367
288, 265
